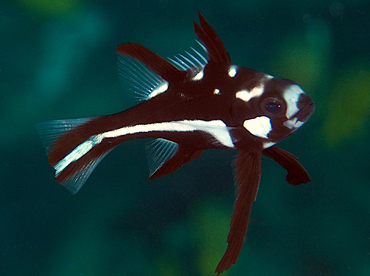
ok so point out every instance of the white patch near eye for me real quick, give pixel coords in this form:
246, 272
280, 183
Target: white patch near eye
268, 144
246, 95
290, 123
260, 126
160, 89
298, 124
216, 91
198, 76
232, 71
291, 96
293, 123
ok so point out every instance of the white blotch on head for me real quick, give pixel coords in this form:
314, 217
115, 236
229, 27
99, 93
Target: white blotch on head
298, 124
160, 89
293, 123
198, 76
291, 96
216, 91
260, 126
232, 71
290, 123
257, 91
243, 95
268, 144
246, 95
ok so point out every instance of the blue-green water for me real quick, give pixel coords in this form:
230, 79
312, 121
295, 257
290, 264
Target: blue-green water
58, 61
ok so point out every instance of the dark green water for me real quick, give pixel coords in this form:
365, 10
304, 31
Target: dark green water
58, 61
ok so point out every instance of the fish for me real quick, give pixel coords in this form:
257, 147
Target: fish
191, 103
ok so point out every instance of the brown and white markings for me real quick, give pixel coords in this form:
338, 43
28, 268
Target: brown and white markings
191, 104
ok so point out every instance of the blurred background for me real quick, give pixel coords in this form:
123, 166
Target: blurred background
58, 61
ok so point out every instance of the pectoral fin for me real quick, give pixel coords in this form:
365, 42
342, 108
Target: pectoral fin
296, 173
248, 171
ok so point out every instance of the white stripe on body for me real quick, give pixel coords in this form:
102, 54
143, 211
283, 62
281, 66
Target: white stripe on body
216, 128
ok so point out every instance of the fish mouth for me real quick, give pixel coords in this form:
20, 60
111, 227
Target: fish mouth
306, 108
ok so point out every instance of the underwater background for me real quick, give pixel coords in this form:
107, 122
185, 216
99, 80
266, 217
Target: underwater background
58, 61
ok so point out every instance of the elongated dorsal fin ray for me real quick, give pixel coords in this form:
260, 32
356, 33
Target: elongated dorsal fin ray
183, 156
154, 62
159, 151
51, 131
248, 172
296, 174
213, 43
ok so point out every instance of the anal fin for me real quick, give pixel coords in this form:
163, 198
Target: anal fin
168, 156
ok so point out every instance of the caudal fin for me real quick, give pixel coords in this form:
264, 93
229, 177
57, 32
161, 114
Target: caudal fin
72, 151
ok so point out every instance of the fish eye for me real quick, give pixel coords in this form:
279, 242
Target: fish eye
273, 106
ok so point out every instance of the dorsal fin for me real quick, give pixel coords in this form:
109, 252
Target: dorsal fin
190, 61
146, 84
215, 47
136, 75
154, 62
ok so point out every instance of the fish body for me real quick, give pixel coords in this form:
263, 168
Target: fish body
192, 104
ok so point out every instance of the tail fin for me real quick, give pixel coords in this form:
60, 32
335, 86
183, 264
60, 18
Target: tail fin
72, 151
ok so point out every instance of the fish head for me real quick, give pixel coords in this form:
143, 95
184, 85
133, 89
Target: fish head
274, 108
